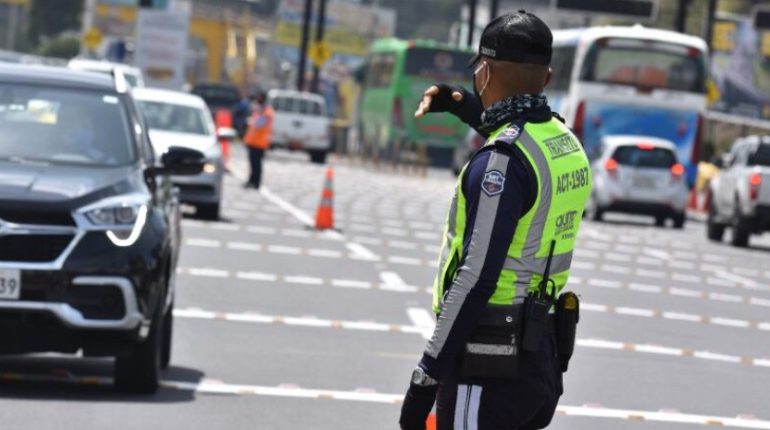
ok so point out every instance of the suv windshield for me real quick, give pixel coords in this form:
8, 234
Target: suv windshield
633, 156
177, 118
63, 126
761, 157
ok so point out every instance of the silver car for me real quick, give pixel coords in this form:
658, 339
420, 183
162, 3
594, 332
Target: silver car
638, 175
182, 119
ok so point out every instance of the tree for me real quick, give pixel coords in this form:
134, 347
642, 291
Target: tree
49, 18
64, 47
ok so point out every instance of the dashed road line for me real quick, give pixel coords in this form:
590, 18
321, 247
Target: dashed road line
254, 318
368, 395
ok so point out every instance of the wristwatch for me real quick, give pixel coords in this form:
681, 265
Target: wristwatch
420, 378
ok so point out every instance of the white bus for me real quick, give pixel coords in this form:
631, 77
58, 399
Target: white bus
631, 81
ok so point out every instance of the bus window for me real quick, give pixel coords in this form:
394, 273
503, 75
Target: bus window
380, 70
645, 64
562, 62
437, 64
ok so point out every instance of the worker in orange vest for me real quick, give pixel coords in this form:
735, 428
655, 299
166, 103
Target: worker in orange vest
257, 138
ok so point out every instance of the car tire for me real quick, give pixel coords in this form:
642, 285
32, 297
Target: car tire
318, 157
660, 221
741, 232
209, 211
168, 331
593, 212
714, 230
138, 372
679, 220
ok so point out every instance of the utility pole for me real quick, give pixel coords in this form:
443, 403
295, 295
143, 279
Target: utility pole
89, 10
712, 10
319, 37
681, 15
471, 21
303, 45
493, 9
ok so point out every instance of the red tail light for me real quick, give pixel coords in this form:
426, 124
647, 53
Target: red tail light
611, 166
677, 171
398, 119
755, 180
580, 117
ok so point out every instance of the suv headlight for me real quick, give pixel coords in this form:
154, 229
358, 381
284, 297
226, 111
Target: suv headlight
122, 217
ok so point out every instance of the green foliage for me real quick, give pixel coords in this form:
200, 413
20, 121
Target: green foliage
64, 47
48, 18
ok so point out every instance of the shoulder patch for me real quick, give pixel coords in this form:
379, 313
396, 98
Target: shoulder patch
494, 182
509, 135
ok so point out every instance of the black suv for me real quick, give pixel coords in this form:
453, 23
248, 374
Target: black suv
89, 223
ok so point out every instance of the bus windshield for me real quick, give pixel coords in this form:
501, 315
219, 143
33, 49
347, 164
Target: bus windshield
437, 64
645, 64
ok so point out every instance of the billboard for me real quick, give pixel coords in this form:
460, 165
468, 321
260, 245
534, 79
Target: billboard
740, 67
161, 47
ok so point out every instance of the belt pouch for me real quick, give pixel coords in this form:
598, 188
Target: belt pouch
567, 317
493, 350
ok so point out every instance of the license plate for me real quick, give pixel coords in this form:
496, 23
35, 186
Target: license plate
644, 182
10, 284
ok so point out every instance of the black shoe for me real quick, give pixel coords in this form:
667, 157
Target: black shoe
247, 185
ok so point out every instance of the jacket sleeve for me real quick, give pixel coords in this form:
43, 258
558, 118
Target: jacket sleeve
495, 189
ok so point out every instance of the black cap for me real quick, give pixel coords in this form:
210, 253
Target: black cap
520, 37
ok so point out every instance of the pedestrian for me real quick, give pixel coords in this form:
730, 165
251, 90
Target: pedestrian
257, 138
492, 361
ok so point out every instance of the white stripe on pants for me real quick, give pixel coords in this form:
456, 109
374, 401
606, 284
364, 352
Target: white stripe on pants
467, 407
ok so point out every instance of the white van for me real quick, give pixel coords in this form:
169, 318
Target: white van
300, 123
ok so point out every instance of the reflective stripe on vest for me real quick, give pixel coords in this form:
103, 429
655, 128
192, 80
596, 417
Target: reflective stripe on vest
563, 182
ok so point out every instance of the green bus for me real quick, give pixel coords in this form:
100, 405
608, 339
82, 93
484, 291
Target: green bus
397, 73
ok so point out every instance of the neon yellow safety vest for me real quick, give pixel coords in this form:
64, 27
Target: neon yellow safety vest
563, 176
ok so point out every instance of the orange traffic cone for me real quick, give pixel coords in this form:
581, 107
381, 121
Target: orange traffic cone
324, 217
431, 423
693, 203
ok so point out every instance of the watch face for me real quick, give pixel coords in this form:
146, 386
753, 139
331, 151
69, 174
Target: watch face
418, 376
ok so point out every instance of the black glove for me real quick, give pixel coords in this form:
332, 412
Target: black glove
418, 403
468, 109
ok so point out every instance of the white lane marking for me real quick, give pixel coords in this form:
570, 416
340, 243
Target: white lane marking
349, 283
217, 387
604, 283
257, 276
422, 318
745, 282
678, 316
684, 292
729, 322
224, 226
759, 302
296, 233
637, 312
405, 260
645, 288
656, 253
650, 273
288, 207
280, 249
244, 246
207, 243
591, 307
258, 229
214, 273
401, 244
732, 298
327, 253
393, 282
360, 252
307, 280
686, 278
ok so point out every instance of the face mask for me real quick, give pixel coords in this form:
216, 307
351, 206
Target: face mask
484, 87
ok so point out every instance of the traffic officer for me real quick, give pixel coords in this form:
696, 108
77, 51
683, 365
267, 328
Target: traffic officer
492, 361
257, 138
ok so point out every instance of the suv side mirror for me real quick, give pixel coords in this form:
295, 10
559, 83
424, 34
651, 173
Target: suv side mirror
181, 161
226, 133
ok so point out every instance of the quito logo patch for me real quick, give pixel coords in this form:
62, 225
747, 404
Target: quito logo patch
493, 183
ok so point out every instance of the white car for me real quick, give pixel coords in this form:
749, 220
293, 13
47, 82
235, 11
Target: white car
132, 74
740, 194
638, 175
182, 119
300, 123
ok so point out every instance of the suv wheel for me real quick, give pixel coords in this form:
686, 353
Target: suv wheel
679, 219
318, 156
714, 230
593, 211
660, 220
138, 372
208, 211
741, 232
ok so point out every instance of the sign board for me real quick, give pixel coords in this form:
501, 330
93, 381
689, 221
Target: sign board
161, 46
641, 10
319, 53
762, 18
93, 38
740, 67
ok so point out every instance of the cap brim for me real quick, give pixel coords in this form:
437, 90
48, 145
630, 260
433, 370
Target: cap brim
474, 60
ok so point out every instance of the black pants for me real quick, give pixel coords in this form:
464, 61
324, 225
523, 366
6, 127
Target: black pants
525, 403
255, 160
